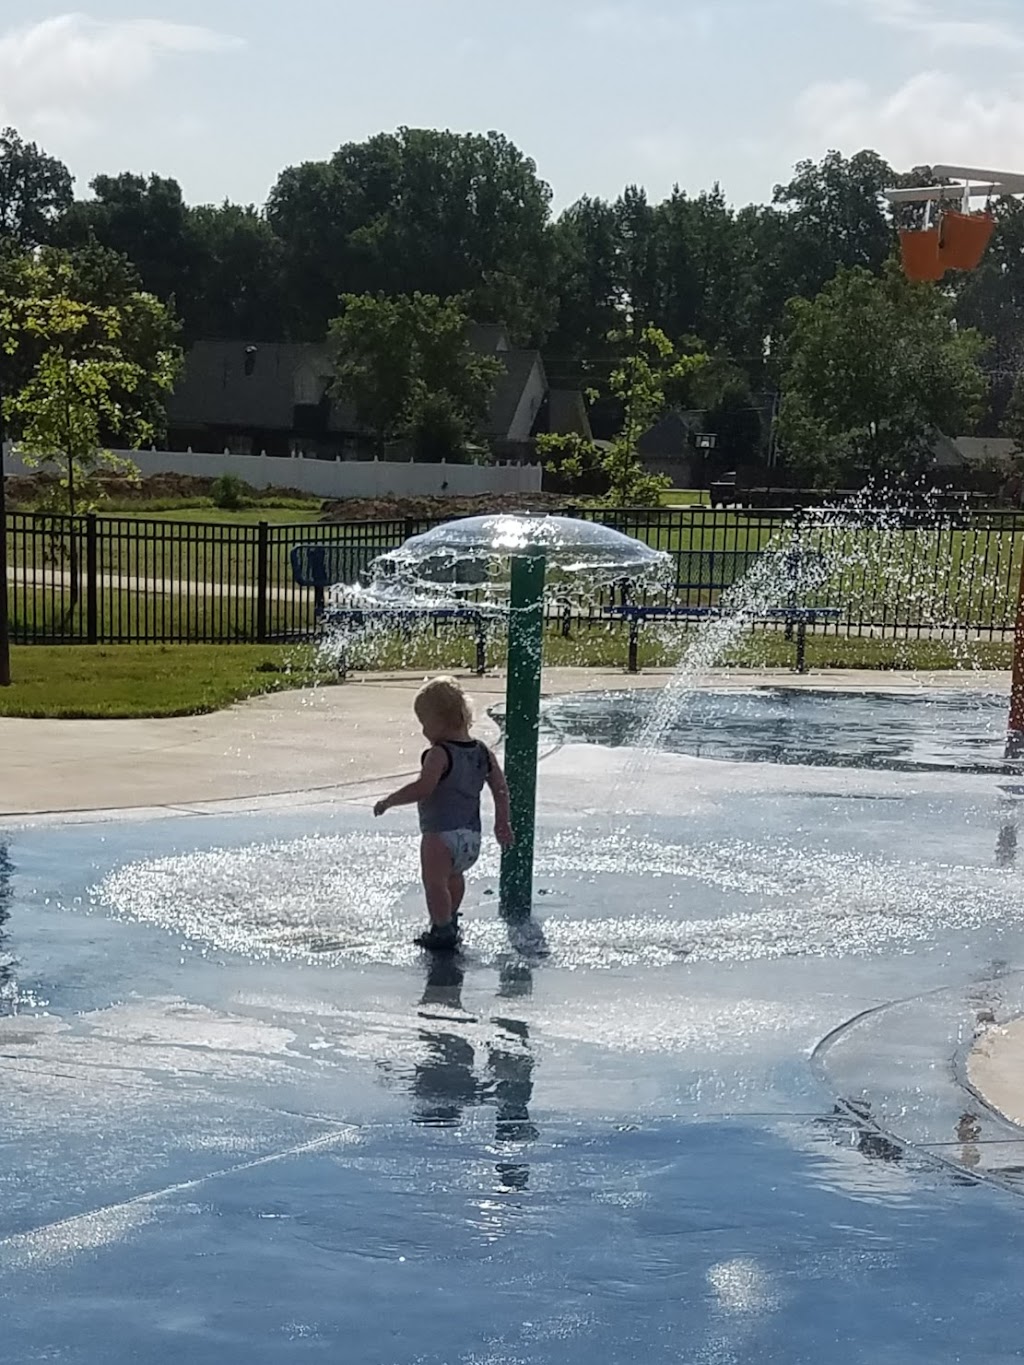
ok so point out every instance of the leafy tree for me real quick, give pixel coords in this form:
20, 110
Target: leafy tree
406, 366
587, 265
219, 266
35, 190
233, 288
991, 299
143, 218
704, 270
97, 279
1013, 426
873, 367
419, 210
836, 218
616, 472
88, 385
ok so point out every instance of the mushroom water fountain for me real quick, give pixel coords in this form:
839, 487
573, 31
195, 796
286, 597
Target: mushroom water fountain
516, 566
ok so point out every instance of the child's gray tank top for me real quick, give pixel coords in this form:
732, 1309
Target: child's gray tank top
455, 801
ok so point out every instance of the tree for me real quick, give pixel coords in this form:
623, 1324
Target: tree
991, 299
873, 367
406, 366
640, 386
35, 190
98, 279
437, 213
88, 384
232, 290
143, 218
588, 271
219, 266
836, 218
1013, 427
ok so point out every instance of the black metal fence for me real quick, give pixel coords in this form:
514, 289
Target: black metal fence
120, 579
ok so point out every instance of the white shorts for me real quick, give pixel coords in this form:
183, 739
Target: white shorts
464, 846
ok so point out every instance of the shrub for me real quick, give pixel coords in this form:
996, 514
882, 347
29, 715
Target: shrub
230, 493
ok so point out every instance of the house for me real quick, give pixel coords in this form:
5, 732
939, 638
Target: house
670, 447
274, 397
986, 451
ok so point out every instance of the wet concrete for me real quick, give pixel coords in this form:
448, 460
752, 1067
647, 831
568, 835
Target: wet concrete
713, 1108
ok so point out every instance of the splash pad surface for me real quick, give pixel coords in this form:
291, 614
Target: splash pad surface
244, 1121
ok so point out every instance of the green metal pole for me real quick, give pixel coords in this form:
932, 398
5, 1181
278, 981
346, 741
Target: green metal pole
522, 728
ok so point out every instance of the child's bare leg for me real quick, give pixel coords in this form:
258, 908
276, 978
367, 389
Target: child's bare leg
436, 864
457, 890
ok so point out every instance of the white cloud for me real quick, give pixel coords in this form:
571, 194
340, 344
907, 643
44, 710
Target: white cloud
934, 117
60, 72
940, 27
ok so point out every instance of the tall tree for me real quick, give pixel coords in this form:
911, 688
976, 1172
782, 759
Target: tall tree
837, 218
143, 218
423, 211
873, 368
233, 290
406, 366
991, 299
704, 263
35, 190
589, 282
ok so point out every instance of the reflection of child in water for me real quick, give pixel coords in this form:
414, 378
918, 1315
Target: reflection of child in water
455, 770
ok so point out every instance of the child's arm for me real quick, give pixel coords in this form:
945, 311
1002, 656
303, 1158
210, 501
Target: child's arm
503, 831
434, 765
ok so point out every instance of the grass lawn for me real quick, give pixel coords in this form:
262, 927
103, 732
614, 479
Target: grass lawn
292, 513
119, 681
78, 681
198, 545
685, 497
45, 615
606, 646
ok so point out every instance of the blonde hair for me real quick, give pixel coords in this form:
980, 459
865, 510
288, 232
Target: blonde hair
443, 700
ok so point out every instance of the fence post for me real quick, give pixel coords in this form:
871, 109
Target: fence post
92, 584
262, 581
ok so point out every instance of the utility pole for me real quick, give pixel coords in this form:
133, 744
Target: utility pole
5, 634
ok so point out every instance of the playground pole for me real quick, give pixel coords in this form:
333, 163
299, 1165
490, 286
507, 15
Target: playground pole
522, 728
1015, 740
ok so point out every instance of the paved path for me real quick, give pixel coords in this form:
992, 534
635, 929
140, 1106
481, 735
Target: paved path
996, 1069
305, 741
53, 579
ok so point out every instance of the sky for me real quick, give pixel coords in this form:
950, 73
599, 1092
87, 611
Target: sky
223, 94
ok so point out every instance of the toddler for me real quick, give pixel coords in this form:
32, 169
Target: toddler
454, 771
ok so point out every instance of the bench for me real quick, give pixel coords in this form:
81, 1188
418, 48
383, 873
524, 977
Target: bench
321, 567
325, 566
352, 619
796, 619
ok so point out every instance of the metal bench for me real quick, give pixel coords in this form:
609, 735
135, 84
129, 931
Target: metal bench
352, 619
325, 566
796, 619
321, 567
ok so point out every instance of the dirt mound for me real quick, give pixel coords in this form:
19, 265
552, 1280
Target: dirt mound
441, 508
24, 491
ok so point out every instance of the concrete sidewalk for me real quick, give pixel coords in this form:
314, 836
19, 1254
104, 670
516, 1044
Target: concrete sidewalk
314, 740
996, 1069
